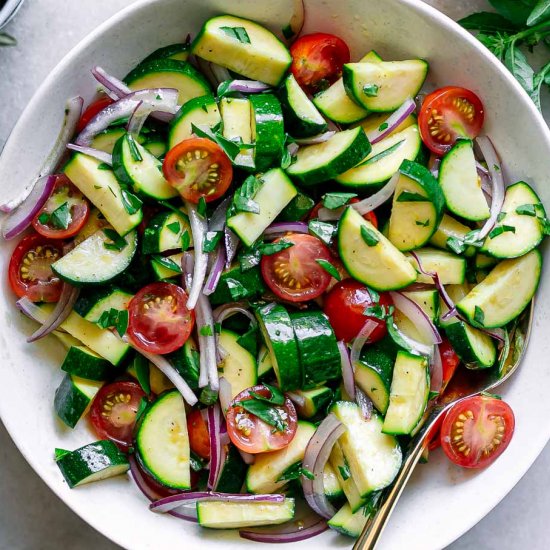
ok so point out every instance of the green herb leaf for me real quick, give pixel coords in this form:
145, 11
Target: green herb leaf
236, 289
382, 154
243, 199
518, 65
410, 196
425, 223
103, 166
540, 13
322, 230
134, 151
206, 330
211, 240
479, 315
121, 324
292, 472
344, 470
238, 33
534, 210
168, 263
277, 397
117, 242
44, 218
141, 366
249, 340
185, 240
516, 11
383, 126
142, 407
330, 269
332, 201
230, 148
201, 207
456, 245
500, 229
377, 311
287, 32
249, 258
501, 216
174, 227
370, 90
208, 396
374, 295
114, 318
131, 202
369, 236
268, 249
196, 462
61, 216
273, 416
487, 22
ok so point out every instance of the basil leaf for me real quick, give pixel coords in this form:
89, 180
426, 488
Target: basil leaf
526, 210
277, 397
332, 201
131, 202
273, 416
196, 462
185, 240
330, 269
174, 227
487, 22
211, 240
236, 289
540, 13
44, 218
141, 366
369, 236
168, 263
206, 330
121, 324
501, 216
238, 33
383, 126
243, 199
292, 472
376, 311
230, 148
518, 65
479, 315
249, 258
61, 216
384, 153
516, 11
134, 151
425, 223
201, 207
268, 249
410, 196
456, 245
370, 90
500, 229
118, 242
322, 230
142, 407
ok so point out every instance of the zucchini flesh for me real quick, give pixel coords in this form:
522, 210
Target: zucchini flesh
73, 397
475, 348
348, 523
343, 474
237, 125
450, 268
449, 227
84, 363
239, 365
267, 130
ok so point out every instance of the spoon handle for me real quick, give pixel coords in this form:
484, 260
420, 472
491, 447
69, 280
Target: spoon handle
375, 525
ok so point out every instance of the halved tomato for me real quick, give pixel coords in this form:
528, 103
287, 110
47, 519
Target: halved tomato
477, 430
158, 320
448, 114
198, 167
92, 110
449, 360
199, 439
251, 434
295, 274
30, 273
65, 212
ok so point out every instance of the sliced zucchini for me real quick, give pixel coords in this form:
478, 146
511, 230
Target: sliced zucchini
220, 514
93, 462
456, 293
343, 474
314, 401
66, 340
297, 209
264, 474
460, 183
333, 489
93, 302
165, 231
244, 47
96, 221
156, 147
374, 458
348, 523
374, 120
335, 103
520, 230
83, 362
235, 285
237, 125
265, 366
301, 115
96, 260
278, 335
274, 194
166, 267
410, 388
162, 442
449, 227
324, 161
317, 348
504, 293
105, 141
417, 207
475, 348
267, 130
179, 52
200, 111
186, 361
238, 365
383, 161
450, 268
73, 397
137, 168
385, 85
102, 189
369, 256
232, 473
169, 73
427, 300
482, 261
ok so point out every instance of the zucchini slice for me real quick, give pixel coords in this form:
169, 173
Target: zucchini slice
265, 366
333, 489
94, 261
504, 293
73, 397
520, 230
449, 227
267, 130
94, 301
343, 474
348, 523
384, 86
450, 268
427, 300
165, 231
105, 141
232, 473
375, 120
238, 365
410, 388
376, 263
162, 442
383, 160
475, 348
235, 285
244, 47
237, 125
314, 401
324, 161
179, 52
460, 183
83, 362
417, 207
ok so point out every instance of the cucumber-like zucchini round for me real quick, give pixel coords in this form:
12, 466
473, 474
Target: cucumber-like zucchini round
73, 397
268, 131
179, 52
85, 363
475, 348
164, 232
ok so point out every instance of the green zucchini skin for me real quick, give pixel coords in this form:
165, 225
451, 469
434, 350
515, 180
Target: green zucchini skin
270, 132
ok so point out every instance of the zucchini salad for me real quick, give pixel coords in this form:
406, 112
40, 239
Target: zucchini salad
264, 261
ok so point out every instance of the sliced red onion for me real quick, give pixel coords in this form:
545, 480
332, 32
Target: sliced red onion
30, 309
436, 371
206, 69
434, 168
199, 227
223, 312
115, 88
295, 398
61, 311
73, 110
295, 24
247, 86
499, 189
379, 198
221, 74
298, 533
315, 459
139, 480
286, 227
393, 121
417, 347
215, 272
207, 345
319, 138
347, 369
330, 215
217, 453
365, 403
360, 340
102, 156
21, 218
231, 242
417, 316
157, 99
219, 216
292, 149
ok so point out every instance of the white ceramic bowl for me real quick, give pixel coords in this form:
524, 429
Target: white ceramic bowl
442, 501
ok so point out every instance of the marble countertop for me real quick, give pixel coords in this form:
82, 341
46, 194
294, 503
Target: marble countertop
31, 516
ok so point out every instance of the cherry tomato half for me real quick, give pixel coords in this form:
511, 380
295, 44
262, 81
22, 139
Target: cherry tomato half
159, 321
92, 110
113, 412
198, 167
199, 439
317, 60
448, 114
449, 360
65, 212
477, 430
30, 273
344, 306
294, 274
253, 435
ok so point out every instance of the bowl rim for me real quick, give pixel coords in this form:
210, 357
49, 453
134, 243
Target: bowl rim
425, 10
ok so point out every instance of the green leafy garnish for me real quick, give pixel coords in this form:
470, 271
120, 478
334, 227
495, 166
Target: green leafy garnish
238, 33
196, 462
382, 154
383, 126
44, 218
330, 269
174, 227
277, 397
201, 207
185, 240
500, 229
134, 151
369, 236
168, 263
206, 330
287, 31
142, 407
322, 230
243, 199
295, 472
114, 318
370, 90
273, 416
268, 249
230, 148
425, 223
117, 242
332, 201
249, 340
103, 166
61, 216
131, 202
236, 289
479, 315
211, 240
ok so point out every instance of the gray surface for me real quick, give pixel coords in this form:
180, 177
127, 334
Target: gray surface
31, 517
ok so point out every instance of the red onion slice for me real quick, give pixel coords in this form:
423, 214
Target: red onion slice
365, 403
361, 340
417, 316
295, 398
286, 227
115, 88
246, 86
215, 272
298, 529
416, 347
315, 458
207, 345
221, 74
347, 369
139, 480
30, 309
436, 371
374, 201
102, 156
226, 311
393, 121
217, 453
21, 218
319, 138
219, 216
199, 227
231, 242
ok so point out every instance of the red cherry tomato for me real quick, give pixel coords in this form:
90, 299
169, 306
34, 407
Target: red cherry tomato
65, 212
114, 410
159, 321
198, 434
30, 273
317, 60
253, 435
448, 114
92, 110
477, 430
294, 274
198, 167
449, 360
369, 216
344, 306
